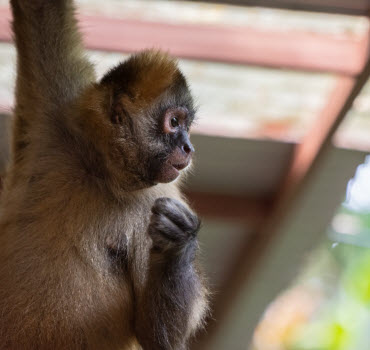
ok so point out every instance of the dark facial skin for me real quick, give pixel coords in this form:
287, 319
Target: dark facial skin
175, 127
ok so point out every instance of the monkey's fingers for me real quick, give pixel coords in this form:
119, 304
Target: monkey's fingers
178, 213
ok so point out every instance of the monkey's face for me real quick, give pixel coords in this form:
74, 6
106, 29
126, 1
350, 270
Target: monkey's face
160, 148
151, 144
178, 150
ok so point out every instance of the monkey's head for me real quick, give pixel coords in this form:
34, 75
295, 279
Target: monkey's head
148, 111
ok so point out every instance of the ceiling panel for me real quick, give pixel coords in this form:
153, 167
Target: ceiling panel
234, 100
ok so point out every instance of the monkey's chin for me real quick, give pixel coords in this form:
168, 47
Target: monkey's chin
168, 173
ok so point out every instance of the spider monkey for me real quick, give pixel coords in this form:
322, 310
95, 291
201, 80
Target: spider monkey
98, 248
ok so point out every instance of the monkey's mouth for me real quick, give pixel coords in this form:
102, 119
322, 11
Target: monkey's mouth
174, 164
181, 166
170, 171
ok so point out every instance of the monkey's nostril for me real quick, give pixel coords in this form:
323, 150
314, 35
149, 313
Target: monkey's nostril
188, 148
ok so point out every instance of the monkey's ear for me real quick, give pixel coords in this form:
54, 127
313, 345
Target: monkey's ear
117, 119
118, 113
112, 105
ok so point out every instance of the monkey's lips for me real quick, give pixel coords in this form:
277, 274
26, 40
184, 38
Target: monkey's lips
170, 171
181, 166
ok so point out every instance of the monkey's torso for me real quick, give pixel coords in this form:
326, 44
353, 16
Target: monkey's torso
66, 263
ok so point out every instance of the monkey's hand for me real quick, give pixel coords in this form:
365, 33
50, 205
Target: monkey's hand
166, 308
173, 227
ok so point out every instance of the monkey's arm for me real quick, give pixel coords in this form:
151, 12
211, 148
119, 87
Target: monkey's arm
173, 304
51, 68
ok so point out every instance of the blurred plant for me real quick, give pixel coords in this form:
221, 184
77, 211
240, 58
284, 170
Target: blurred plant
356, 279
328, 307
337, 326
285, 316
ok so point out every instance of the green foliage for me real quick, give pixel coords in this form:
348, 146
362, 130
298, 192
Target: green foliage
341, 323
356, 279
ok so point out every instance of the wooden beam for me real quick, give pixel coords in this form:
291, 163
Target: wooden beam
236, 208
301, 176
321, 131
272, 48
348, 7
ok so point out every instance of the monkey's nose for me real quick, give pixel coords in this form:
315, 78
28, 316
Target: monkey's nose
187, 148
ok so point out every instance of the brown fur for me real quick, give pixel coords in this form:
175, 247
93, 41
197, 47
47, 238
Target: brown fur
74, 212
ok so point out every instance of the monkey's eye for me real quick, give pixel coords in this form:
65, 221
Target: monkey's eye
174, 122
174, 118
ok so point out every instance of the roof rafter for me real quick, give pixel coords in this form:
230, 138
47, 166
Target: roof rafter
353, 7
245, 45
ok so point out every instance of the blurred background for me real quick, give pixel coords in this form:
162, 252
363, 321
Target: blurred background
281, 177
